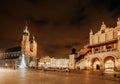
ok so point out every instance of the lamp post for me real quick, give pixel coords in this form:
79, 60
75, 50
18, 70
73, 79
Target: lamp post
37, 60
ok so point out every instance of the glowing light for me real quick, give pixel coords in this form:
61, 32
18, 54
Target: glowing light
23, 64
118, 33
109, 64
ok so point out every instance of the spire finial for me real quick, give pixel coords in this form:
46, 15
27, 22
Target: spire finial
91, 32
103, 23
118, 22
33, 37
118, 19
103, 26
26, 27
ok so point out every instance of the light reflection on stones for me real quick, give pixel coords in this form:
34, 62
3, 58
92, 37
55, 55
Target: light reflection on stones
9, 76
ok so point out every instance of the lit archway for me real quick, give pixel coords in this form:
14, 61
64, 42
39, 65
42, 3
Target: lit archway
96, 64
109, 63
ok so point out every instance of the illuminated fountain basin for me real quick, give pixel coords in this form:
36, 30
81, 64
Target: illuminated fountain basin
23, 63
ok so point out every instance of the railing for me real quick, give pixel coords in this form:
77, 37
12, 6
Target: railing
96, 52
107, 50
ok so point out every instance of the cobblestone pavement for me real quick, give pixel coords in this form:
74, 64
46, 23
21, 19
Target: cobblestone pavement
9, 76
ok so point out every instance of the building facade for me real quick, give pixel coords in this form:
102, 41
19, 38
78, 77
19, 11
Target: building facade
72, 61
103, 51
12, 57
53, 62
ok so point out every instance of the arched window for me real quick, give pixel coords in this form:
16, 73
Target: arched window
109, 48
96, 50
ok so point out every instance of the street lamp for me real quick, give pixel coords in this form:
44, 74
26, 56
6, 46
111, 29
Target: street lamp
37, 59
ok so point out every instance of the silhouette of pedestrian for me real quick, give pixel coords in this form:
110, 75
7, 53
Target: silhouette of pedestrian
14, 66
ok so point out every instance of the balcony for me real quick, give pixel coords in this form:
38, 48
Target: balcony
107, 50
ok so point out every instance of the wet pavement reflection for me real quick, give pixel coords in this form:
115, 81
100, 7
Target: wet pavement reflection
9, 76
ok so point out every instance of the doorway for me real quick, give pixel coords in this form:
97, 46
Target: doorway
97, 67
96, 64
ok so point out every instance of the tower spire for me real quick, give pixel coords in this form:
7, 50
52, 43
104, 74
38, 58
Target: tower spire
26, 28
118, 19
33, 37
103, 23
91, 32
118, 22
103, 26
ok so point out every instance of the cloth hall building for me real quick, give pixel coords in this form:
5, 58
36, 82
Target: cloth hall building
102, 52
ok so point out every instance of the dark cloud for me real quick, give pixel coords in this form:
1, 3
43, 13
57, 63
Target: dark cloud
44, 1
58, 25
42, 21
110, 5
37, 1
79, 16
98, 2
72, 45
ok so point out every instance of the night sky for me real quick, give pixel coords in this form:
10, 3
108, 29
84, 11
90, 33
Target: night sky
58, 25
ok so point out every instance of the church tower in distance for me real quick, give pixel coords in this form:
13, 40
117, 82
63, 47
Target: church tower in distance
28, 47
33, 47
25, 47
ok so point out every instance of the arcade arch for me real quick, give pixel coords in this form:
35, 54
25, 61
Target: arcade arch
95, 64
109, 63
